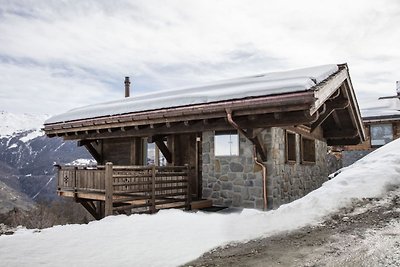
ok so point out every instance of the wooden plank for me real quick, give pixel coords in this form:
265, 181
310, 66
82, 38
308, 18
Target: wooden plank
132, 198
132, 191
133, 183
153, 188
109, 189
133, 206
325, 90
201, 204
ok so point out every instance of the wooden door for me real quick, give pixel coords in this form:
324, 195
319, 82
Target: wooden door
187, 150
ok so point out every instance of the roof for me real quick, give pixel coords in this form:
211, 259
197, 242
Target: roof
259, 85
319, 99
384, 109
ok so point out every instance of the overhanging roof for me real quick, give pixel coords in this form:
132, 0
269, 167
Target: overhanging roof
313, 97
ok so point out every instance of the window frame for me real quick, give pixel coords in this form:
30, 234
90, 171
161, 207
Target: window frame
230, 133
380, 125
303, 160
287, 160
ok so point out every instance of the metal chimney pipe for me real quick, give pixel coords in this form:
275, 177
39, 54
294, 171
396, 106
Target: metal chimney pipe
398, 88
127, 86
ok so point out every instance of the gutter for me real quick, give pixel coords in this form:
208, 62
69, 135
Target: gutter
256, 160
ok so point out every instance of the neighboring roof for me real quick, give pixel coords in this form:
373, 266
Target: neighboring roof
253, 86
383, 109
320, 99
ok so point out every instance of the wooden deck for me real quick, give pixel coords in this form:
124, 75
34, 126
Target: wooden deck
125, 189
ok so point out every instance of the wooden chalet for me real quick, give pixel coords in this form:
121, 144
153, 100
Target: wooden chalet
253, 142
382, 125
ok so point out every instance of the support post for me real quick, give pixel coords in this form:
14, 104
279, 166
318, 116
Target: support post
188, 193
153, 189
74, 183
108, 209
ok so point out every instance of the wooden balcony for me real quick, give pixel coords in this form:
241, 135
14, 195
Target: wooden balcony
109, 189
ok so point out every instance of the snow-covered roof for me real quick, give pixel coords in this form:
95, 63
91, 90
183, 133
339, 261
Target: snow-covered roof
253, 86
384, 108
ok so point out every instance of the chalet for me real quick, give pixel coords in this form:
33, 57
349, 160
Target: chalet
254, 142
382, 125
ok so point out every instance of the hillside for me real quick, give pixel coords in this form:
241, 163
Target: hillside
27, 157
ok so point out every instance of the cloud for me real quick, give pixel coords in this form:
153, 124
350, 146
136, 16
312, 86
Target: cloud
79, 51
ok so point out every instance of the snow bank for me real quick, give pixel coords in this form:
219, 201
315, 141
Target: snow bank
253, 86
173, 237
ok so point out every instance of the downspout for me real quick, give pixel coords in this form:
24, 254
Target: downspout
256, 160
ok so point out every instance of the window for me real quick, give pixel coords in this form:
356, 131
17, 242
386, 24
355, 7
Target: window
226, 143
381, 134
290, 147
154, 155
307, 150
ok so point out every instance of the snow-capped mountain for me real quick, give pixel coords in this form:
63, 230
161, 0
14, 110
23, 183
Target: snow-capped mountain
27, 156
11, 124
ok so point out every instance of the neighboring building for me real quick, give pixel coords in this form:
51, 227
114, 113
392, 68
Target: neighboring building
254, 142
382, 125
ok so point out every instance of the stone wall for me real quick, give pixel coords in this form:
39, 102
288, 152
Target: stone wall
349, 157
290, 181
231, 181
237, 181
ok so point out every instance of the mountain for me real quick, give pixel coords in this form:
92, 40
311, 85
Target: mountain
27, 156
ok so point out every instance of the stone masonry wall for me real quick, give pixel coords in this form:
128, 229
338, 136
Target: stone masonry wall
237, 181
289, 181
231, 181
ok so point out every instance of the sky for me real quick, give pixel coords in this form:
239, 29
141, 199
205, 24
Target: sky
58, 55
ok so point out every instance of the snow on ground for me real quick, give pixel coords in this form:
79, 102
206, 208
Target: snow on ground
173, 237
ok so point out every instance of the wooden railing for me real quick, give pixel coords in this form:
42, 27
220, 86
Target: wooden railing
130, 188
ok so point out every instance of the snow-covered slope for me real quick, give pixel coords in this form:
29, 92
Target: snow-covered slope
173, 237
11, 124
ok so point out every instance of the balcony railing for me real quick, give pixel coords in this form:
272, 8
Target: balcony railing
127, 188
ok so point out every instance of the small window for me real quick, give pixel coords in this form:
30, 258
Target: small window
154, 155
381, 134
290, 147
226, 143
307, 150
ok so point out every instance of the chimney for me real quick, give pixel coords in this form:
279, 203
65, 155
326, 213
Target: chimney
398, 88
127, 86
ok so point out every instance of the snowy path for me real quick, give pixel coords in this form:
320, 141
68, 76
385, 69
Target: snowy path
365, 234
174, 237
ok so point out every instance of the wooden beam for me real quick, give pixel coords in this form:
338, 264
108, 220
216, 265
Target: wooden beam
330, 107
337, 119
341, 133
91, 208
108, 209
261, 121
89, 146
164, 150
343, 142
325, 90
260, 105
259, 147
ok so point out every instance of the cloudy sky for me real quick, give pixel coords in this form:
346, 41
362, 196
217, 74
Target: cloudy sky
57, 55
